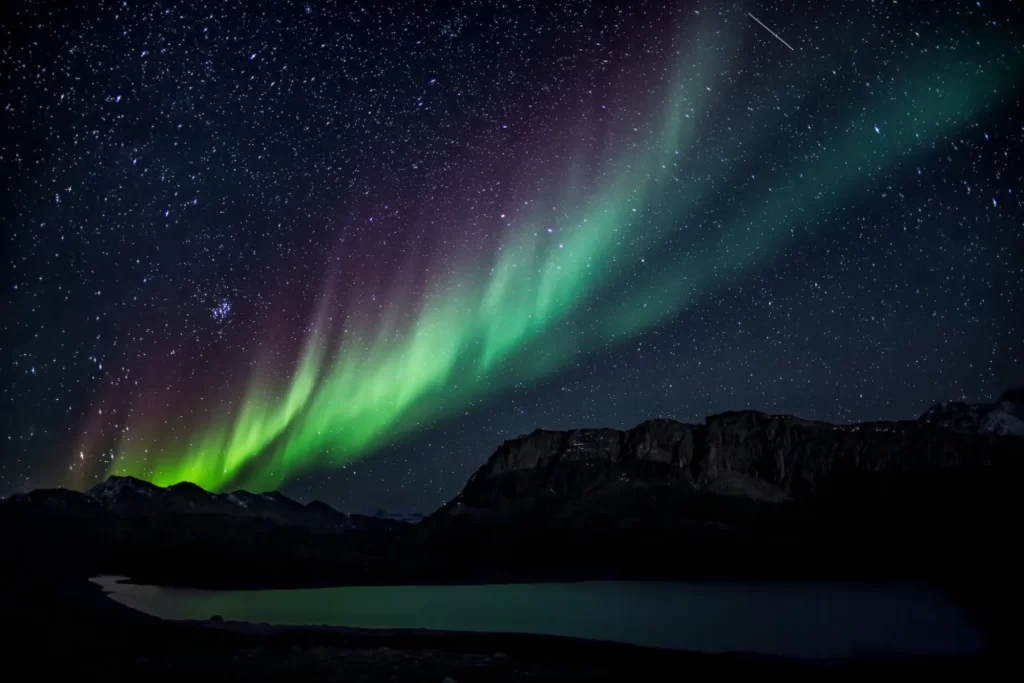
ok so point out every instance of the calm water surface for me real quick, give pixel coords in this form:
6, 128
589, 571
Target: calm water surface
797, 619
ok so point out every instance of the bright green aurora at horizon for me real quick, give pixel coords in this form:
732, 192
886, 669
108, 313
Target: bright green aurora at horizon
354, 391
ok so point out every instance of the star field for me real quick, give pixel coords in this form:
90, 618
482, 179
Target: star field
348, 248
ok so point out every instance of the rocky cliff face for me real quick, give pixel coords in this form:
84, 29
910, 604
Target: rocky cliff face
749, 454
743, 493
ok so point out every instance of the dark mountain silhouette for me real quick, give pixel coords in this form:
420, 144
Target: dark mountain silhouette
185, 534
743, 493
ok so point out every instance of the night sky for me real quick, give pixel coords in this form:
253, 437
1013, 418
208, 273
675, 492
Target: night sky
345, 249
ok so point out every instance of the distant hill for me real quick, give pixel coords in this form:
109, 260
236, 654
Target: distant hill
185, 534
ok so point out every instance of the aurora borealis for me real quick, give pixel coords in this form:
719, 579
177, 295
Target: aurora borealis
343, 240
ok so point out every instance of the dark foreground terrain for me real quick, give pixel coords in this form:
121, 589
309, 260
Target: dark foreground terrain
72, 628
744, 494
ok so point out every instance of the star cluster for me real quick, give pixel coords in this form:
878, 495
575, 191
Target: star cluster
347, 248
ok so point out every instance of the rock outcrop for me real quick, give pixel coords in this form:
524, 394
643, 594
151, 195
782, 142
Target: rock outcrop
744, 492
749, 454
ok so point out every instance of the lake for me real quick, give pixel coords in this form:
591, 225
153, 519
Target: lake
794, 619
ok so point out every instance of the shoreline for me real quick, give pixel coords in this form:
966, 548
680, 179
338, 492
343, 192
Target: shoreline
79, 618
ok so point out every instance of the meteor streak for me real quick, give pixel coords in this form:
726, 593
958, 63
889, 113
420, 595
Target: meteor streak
771, 31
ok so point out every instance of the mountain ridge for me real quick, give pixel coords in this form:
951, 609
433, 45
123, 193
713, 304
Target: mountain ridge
747, 452
743, 492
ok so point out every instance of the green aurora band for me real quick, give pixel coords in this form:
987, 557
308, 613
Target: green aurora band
524, 311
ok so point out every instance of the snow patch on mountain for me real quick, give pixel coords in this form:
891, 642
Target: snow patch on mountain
1005, 416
